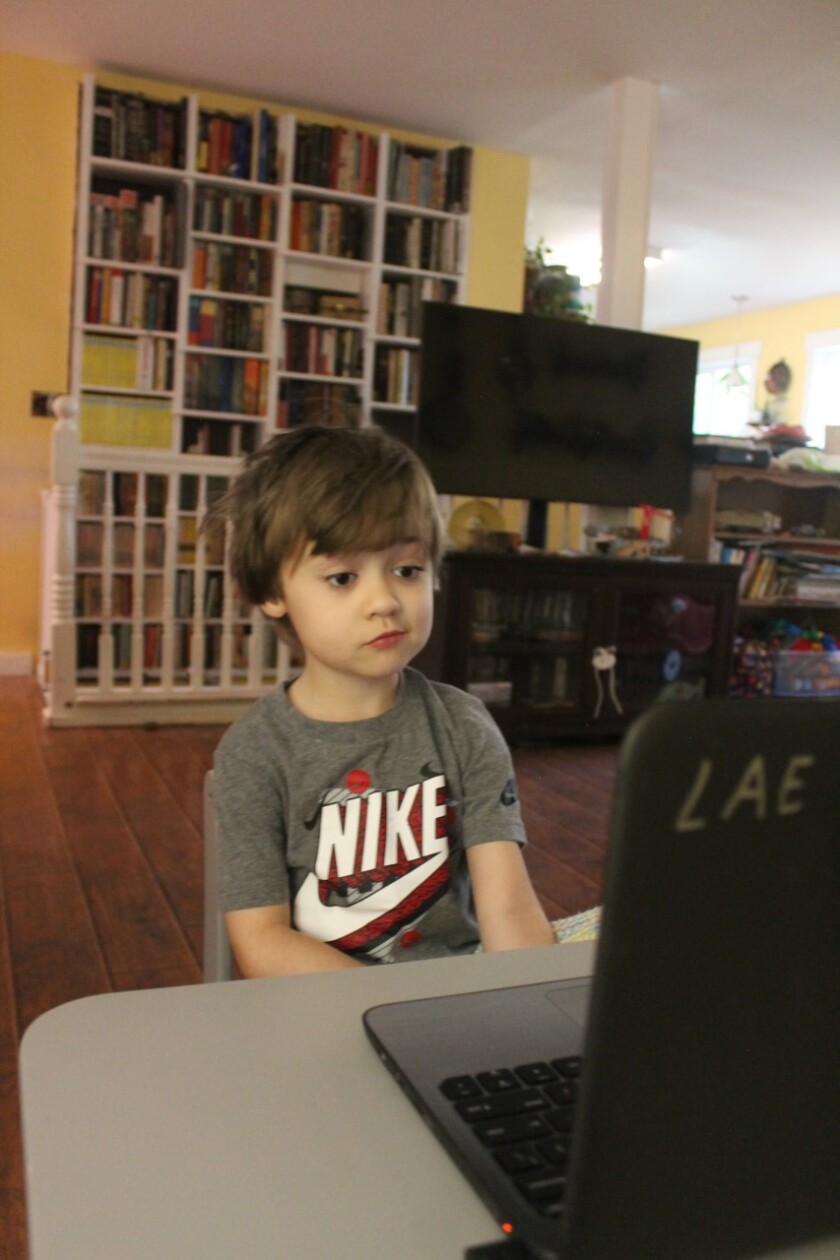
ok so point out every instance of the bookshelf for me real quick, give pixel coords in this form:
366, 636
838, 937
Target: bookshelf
235, 273
781, 527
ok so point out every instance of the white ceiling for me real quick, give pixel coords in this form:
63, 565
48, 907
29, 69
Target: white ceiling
746, 187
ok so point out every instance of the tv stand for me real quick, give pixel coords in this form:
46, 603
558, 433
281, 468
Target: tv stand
560, 645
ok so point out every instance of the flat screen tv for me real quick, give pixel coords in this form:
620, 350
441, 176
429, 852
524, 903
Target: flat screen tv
527, 407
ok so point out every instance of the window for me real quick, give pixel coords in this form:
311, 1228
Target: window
822, 384
723, 407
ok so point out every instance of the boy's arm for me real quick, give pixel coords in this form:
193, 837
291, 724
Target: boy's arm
265, 944
508, 911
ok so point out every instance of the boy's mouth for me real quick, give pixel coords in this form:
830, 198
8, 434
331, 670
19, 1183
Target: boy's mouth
388, 639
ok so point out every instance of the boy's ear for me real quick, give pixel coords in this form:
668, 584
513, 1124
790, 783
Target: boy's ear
274, 608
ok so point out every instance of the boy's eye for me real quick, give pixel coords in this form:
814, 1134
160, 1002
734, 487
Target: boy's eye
408, 571
340, 579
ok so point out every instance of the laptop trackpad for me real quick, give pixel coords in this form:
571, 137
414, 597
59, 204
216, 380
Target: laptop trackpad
572, 1000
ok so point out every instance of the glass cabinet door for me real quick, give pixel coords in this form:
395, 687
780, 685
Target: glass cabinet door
525, 646
664, 646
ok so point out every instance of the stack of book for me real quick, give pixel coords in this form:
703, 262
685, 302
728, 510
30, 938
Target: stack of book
777, 573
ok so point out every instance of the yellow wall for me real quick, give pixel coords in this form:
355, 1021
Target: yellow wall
782, 332
37, 162
38, 102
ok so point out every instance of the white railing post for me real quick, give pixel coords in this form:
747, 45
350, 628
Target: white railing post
62, 625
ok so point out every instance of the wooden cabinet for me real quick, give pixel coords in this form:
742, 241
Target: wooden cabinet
580, 645
778, 527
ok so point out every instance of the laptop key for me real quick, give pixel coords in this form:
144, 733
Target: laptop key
561, 1092
490, 1106
535, 1074
570, 1067
553, 1151
545, 1184
455, 1087
519, 1159
496, 1082
511, 1129
562, 1119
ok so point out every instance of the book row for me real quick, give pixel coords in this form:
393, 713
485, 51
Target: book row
137, 363
322, 351
437, 179
780, 573
131, 299
133, 225
238, 146
218, 437
317, 402
90, 546
423, 244
212, 542
213, 597
133, 128
336, 157
106, 420
226, 325
151, 637
89, 602
401, 303
335, 229
396, 376
300, 299
544, 681
232, 268
216, 383
533, 614
230, 212
148, 492
152, 647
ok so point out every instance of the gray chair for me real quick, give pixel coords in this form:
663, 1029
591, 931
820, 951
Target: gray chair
218, 958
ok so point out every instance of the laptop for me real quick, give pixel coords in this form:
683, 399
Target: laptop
695, 1108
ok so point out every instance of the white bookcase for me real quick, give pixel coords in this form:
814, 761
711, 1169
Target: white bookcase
234, 274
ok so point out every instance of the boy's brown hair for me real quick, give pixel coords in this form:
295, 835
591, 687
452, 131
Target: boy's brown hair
343, 490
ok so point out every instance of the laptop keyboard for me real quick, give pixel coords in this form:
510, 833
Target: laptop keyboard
524, 1115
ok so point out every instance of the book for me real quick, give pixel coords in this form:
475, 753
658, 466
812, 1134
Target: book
106, 420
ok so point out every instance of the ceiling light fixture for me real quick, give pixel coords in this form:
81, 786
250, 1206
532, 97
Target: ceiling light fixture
735, 378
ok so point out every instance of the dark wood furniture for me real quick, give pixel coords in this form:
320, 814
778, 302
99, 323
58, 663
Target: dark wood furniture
564, 645
802, 511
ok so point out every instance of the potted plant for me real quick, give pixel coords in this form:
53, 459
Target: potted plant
550, 289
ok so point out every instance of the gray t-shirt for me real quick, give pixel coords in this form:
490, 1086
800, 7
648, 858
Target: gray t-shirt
362, 826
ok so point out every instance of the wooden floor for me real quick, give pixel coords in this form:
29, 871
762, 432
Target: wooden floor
101, 870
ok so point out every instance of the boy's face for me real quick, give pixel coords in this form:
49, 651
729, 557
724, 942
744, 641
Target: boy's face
363, 615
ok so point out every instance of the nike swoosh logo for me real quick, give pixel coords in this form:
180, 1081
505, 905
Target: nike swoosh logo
331, 923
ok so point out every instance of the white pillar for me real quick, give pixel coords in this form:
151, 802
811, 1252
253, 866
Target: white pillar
625, 207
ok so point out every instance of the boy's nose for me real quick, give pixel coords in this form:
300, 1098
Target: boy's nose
382, 599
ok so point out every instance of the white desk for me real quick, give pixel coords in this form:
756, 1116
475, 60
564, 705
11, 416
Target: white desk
248, 1120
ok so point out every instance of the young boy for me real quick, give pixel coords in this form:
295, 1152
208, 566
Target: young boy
365, 814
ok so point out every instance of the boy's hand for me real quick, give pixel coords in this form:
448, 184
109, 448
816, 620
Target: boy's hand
508, 911
264, 943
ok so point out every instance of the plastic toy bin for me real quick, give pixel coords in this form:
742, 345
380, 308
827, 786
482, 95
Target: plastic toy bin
807, 674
